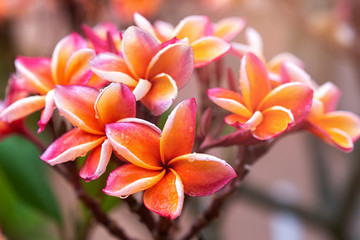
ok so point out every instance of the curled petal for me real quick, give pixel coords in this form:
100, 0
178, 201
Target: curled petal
22, 108
208, 49
48, 110
193, 28
141, 89
163, 62
139, 47
167, 196
202, 174
229, 100
115, 102
129, 178
236, 121
178, 134
275, 121
329, 95
96, 162
63, 51
77, 70
137, 141
228, 28
291, 72
76, 103
112, 68
254, 81
36, 72
296, 97
143, 23
161, 95
71, 145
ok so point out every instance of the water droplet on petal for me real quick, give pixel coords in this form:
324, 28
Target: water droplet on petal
192, 157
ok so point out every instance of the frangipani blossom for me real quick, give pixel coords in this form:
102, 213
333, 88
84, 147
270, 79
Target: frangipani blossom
161, 163
263, 111
337, 128
209, 41
255, 46
68, 65
153, 71
89, 111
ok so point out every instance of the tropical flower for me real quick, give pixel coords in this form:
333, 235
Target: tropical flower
263, 111
255, 46
161, 163
209, 41
338, 128
68, 65
89, 111
153, 71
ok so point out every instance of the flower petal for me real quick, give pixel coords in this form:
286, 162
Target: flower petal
297, 97
275, 64
143, 23
65, 48
76, 103
48, 110
163, 62
329, 95
68, 147
129, 178
22, 108
141, 89
167, 196
139, 47
178, 134
275, 121
291, 72
161, 95
137, 141
228, 28
208, 49
112, 68
202, 174
193, 28
36, 72
229, 100
164, 29
96, 162
115, 102
77, 70
254, 81
236, 121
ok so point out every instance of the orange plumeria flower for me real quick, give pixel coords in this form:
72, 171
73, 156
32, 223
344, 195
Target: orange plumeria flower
153, 71
161, 163
89, 111
255, 46
338, 128
263, 111
68, 65
209, 41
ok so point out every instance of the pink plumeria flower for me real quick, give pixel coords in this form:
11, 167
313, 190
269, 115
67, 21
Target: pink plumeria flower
68, 65
263, 111
208, 40
337, 128
161, 162
255, 46
89, 111
153, 71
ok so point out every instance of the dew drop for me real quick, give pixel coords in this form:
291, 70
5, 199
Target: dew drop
192, 157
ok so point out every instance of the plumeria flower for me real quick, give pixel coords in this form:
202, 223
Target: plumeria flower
153, 71
104, 37
68, 65
161, 162
263, 111
338, 128
89, 111
255, 46
209, 41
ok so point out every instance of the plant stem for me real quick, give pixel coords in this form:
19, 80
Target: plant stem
163, 228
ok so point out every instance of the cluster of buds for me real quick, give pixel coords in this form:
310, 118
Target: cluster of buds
112, 86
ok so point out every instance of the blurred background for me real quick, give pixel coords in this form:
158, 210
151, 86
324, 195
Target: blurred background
301, 189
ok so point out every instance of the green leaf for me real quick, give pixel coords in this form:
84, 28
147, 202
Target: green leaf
18, 220
22, 166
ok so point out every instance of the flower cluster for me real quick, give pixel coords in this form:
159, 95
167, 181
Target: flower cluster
112, 86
